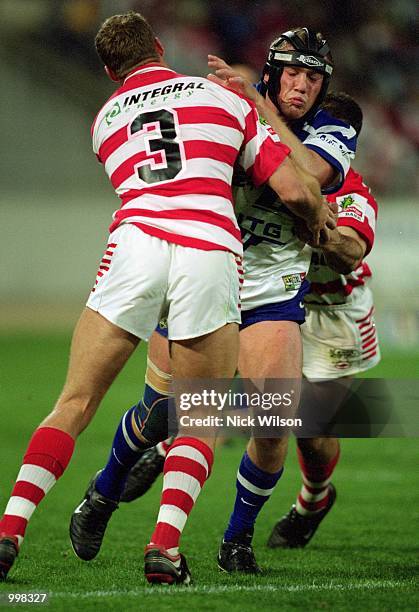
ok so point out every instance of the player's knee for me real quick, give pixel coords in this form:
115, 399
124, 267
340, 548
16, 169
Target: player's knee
317, 447
154, 421
270, 448
74, 411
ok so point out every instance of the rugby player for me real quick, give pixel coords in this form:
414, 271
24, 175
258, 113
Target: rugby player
276, 264
339, 341
168, 143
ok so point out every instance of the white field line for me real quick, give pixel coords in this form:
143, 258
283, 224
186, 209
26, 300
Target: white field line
235, 588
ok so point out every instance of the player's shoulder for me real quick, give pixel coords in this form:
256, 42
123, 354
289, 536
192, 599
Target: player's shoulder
323, 124
323, 119
354, 191
234, 97
354, 183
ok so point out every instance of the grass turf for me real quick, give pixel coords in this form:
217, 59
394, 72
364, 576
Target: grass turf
363, 557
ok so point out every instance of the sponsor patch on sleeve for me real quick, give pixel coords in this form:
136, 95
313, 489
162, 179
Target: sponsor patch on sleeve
352, 205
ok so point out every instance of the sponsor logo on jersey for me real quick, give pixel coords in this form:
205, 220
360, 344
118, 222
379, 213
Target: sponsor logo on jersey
334, 142
309, 60
346, 202
293, 282
352, 205
112, 113
344, 358
174, 91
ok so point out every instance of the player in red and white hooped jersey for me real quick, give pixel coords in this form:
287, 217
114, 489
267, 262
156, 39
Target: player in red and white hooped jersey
168, 143
171, 250
339, 336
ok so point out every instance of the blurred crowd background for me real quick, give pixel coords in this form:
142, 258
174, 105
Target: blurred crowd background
374, 43
53, 84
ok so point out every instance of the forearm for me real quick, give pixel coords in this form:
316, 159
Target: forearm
300, 193
343, 254
298, 190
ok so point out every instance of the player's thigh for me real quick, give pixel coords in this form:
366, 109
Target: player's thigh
339, 342
271, 349
158, 352
99, 350
213, 355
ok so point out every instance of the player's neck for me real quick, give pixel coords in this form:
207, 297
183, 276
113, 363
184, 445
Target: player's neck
151, 61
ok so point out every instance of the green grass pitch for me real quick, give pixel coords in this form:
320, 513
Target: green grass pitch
364, 557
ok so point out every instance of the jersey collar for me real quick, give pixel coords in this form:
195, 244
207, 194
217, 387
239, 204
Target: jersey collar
151, 67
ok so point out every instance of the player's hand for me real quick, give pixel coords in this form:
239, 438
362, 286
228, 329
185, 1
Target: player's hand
301, 231
332, 217
333, 207
306, 231
216, 63
321, 224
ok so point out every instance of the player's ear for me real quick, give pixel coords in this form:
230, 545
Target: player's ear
111, 74
159, 46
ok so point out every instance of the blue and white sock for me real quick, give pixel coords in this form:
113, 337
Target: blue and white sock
127, 446
125, 452
254, 488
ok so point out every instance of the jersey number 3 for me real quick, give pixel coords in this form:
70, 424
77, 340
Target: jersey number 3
163, 159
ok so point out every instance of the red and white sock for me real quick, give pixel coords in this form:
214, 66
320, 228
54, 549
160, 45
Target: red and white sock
163, 447
47, 456
314, 494
188, 465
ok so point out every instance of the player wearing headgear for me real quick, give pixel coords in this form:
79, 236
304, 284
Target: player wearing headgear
294, 81
339, 341
272, 250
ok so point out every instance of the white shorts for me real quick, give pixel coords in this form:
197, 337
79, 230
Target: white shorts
340, 340
142, 278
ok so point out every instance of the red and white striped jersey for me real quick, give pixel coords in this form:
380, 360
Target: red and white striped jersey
169, 143
357, 209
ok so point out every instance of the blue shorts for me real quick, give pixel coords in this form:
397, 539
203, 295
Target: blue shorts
289, 310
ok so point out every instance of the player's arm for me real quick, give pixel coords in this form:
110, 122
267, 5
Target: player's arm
344, 249
308, 159
267, 161
300, 192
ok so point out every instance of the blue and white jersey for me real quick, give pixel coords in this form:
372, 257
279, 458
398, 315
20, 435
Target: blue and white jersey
276, 262
332, 139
